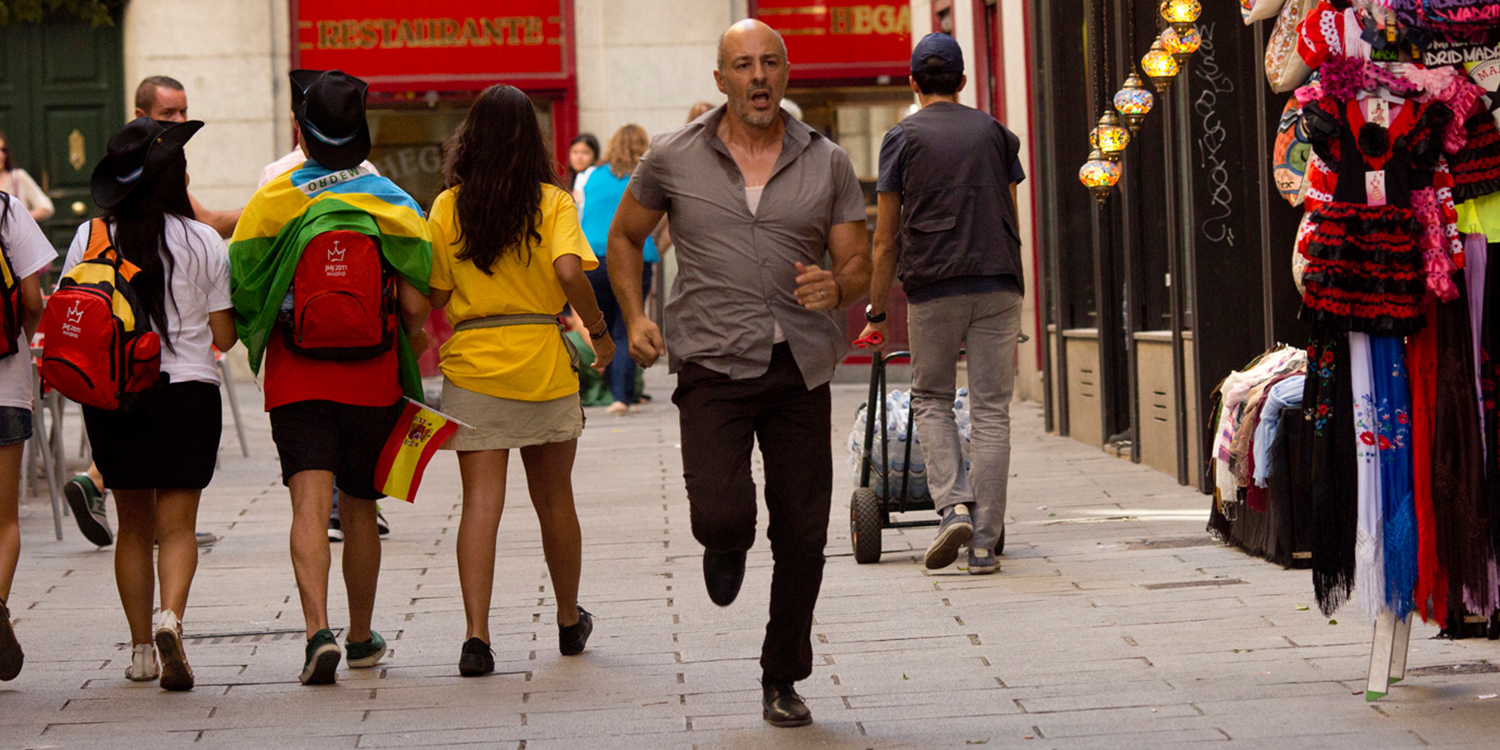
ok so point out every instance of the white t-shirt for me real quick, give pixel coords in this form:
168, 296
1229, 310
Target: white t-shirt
293, 160
29, 253
200, 285
752, 199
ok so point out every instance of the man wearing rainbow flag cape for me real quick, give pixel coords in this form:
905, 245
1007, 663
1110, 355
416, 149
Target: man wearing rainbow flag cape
329, 267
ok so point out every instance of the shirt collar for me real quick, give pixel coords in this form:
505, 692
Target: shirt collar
796, 140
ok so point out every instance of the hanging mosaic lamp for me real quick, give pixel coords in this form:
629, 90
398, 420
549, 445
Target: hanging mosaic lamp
1133, 102
1182, 14
1181, 45
1160, 66
1099, 175
1109, 138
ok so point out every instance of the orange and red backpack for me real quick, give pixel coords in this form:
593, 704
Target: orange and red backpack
98, 347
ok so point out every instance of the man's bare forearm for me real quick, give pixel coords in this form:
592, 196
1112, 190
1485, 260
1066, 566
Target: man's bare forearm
883, 277
627, 263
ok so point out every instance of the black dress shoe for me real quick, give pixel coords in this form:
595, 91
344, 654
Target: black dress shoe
477, 659
723, 572
781, 706
572, 639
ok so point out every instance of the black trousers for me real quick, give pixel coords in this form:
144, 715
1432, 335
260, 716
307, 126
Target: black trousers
721, 421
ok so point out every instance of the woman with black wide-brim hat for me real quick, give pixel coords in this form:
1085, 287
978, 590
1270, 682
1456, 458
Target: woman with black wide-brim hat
159, 454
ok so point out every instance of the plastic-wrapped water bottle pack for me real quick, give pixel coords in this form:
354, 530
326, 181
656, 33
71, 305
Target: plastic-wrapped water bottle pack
895, 438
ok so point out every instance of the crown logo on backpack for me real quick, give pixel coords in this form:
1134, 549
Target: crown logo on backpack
75, 314
336, 253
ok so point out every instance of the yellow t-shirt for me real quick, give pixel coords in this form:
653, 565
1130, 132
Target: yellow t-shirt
525, 363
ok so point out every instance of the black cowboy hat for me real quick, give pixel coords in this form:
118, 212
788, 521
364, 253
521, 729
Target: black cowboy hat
135, 154
330, 108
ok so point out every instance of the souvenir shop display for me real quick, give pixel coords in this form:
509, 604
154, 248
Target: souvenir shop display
1388, 423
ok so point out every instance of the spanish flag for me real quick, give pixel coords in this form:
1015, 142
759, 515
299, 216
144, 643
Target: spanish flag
418, 434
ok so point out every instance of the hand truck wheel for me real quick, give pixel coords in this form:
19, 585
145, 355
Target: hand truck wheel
864, 525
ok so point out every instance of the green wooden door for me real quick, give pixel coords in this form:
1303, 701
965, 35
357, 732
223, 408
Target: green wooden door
61, 98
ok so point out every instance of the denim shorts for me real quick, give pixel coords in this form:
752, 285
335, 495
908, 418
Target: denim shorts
15, 425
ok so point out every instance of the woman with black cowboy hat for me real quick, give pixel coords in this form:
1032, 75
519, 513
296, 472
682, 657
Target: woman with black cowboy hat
159, 454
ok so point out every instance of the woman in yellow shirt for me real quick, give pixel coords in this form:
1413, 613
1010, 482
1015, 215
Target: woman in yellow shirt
507, 255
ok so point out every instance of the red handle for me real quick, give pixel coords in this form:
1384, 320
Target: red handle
872, 340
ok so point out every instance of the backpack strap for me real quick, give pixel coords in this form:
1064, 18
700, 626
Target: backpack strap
101, 246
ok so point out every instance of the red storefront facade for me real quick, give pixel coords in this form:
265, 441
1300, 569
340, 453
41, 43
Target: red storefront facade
426, 62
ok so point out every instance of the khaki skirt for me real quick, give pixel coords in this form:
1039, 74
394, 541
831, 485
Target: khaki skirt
502, 423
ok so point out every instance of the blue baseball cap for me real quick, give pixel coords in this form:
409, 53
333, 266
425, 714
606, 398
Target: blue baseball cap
941, 46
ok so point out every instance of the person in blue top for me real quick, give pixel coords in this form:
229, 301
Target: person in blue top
601, 197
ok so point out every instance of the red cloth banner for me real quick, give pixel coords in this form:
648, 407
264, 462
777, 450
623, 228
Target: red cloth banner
397, 45
842, 38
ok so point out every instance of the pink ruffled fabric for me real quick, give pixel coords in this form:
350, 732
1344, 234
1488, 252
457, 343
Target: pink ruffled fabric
1438, 265
1460, 94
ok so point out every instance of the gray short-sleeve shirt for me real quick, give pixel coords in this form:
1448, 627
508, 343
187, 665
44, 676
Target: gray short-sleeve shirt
736, 271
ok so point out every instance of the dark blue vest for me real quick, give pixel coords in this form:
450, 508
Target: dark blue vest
957, 218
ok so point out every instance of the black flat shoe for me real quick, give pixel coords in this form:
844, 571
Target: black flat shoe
11, 656
477, 660
572, 639
723, 572
781, 706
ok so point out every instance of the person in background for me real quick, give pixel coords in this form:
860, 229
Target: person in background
508, 255
583, 156
160, 453
163, 99
698, 110
602, 192
956, 167
753, 331
17, 182
28, 253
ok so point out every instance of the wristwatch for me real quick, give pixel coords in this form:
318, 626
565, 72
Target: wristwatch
871, 317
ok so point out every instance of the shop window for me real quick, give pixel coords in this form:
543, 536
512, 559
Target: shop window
407, 141
861, 129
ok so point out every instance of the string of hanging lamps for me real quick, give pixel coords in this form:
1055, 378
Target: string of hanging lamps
1161, 64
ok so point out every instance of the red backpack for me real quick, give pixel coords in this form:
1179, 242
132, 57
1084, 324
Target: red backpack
342, 303
98, 347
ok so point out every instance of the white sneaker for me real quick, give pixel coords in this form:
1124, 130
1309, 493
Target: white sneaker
142, 664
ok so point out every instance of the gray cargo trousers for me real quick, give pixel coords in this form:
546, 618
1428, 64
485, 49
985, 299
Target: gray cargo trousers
988, 325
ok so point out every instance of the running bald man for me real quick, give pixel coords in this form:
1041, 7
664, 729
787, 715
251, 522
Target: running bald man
756, 200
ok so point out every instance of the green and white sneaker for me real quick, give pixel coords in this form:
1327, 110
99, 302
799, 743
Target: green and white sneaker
87, 502
367, 654
322, 665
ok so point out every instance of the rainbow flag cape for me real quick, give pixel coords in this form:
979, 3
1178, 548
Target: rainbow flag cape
307, 201
418, 435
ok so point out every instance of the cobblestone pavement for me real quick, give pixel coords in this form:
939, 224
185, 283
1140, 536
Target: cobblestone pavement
1115, 621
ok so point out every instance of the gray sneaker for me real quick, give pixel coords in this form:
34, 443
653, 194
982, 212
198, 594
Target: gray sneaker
982, 562
954, 532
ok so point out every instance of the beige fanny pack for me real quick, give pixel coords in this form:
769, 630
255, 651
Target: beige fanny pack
504, 321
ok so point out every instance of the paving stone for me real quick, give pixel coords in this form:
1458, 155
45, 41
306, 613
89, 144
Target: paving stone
903, 657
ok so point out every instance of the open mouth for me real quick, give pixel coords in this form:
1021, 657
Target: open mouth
760, 98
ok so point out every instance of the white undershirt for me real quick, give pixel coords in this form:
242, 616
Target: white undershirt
752, 198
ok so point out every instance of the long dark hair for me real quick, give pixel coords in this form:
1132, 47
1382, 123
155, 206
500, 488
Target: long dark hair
500, 161
141, 237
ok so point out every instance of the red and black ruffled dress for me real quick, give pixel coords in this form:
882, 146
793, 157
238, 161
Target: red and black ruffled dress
1365, 267
1476, 169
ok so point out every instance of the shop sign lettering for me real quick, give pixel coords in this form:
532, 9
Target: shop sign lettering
849, 39
393, 33
870, 19
444, 45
